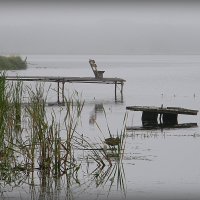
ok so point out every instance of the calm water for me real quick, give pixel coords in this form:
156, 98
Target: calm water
157, 164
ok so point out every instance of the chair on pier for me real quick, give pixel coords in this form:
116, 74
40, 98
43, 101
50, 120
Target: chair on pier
97, 73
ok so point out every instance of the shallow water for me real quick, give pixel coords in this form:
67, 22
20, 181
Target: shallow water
158, 164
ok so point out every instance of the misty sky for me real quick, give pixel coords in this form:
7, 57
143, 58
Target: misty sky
109, 27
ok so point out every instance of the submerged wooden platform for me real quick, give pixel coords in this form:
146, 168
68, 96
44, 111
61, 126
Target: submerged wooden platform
62, 80
163, 110
161, 116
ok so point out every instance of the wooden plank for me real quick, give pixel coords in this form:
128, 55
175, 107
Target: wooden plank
66, 79
161, 110
97, 73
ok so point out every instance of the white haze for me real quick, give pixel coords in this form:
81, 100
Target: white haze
100, 28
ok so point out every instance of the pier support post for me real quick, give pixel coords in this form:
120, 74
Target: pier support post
58, 93
115, 90
121, 90
170, 119
63, 92
122, 86
149, 119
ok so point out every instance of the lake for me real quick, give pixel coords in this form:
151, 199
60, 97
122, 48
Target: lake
157, 164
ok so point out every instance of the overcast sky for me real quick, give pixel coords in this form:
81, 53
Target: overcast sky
101, 27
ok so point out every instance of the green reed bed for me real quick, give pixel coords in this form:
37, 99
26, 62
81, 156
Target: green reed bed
46, 143
10, 111
37, 146
12, 63
53, 154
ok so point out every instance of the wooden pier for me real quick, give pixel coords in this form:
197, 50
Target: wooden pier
161, 116
62, 80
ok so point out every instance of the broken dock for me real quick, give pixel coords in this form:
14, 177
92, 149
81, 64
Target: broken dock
161, 116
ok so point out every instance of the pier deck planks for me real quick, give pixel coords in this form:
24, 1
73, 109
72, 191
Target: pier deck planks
62, 80
162, 110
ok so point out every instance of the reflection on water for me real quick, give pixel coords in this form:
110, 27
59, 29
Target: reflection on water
98, 108
161, 126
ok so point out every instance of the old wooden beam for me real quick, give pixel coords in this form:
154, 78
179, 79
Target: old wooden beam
172, 110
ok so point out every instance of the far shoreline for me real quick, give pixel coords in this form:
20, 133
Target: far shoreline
12, 63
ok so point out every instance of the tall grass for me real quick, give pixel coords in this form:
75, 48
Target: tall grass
101, 152
46, 145
10, 120
12, 63
55, 154
3, 109
38, 146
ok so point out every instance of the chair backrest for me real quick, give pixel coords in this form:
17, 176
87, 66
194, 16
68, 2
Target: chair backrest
94, 67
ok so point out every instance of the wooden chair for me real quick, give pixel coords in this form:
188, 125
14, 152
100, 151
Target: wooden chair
97, 73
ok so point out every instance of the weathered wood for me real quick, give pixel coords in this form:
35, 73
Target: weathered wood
169, 119
63, 92
115, 91
58, 92
64, 80
160, 110
97, 73
149, 118
167, 116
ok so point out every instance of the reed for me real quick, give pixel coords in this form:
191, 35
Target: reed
113, 176
3, 109
116, 142
48, 142
74, 106
102, 152
38, 125
11, 167
55, 154
12, 63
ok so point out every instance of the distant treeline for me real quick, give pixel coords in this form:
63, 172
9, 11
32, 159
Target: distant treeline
12, 63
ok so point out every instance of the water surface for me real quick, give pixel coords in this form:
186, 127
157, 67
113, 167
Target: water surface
158, 164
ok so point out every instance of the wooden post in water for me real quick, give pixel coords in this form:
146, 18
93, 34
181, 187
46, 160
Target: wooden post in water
115, 90
58, 92
170, 119
149, 118
63, 92
122, 85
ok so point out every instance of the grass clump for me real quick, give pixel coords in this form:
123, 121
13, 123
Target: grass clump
38, 143
12, 63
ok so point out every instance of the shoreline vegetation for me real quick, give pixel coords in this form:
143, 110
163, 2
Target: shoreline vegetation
40, 146
12, 63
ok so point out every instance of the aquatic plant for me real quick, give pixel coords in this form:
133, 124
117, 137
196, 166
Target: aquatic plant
3, 109
116, 142
113, 175
44, 146
12, 63
52, 153
107, 150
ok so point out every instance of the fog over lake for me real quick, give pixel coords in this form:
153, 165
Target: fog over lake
100, 27
154, 46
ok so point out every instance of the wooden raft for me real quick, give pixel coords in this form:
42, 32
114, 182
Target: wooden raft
161, 116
